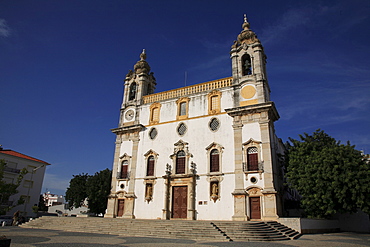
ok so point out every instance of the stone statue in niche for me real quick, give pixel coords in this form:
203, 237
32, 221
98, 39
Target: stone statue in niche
214, 191
149, 192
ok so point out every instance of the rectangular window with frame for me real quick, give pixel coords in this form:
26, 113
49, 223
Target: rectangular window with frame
214, 103
182, 110
155, 114
150, 166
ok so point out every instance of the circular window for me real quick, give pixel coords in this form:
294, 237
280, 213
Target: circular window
181, 129
214, 124
122, 186
153, 133
254, 180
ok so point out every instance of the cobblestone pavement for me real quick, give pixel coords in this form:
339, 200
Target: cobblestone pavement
22, 237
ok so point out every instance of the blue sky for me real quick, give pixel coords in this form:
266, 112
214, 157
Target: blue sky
62, 65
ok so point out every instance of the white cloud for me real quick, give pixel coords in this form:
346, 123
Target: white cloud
4, 29
289, 20
304, 16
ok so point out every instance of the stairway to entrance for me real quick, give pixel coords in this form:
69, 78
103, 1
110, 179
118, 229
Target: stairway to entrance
174, 229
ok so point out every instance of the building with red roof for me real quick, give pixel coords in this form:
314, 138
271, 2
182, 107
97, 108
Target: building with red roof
30, 187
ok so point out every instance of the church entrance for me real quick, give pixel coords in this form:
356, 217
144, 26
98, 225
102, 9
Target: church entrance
179, 202
120, 207
255, 207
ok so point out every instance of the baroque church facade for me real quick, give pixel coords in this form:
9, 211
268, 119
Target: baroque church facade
202, 152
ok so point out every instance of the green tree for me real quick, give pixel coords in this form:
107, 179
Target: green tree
76, 192
9, 189
41, 205
98, 188
330, 177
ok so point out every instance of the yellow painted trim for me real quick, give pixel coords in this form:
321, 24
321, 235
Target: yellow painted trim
248, 92
180, 120
175, 93
249, 102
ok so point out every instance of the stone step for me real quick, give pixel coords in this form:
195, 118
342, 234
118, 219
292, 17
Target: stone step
196, 230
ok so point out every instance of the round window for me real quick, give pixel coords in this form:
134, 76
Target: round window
254, 180
181, 129
214, 124
153, 133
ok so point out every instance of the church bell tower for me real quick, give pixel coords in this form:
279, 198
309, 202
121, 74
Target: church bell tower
249, 68
138, 83
252, 108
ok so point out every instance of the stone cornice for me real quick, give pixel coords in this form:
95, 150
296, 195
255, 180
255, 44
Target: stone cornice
257, 108
128, 129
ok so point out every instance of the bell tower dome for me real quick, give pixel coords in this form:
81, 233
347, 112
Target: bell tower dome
138, 83
249, 68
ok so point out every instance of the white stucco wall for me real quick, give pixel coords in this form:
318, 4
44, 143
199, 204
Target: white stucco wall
198, 136
37, 178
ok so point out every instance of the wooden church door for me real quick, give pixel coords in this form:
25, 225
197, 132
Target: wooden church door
120, 207
255, 207
179, 201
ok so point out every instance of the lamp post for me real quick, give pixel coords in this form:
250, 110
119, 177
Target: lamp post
29, 187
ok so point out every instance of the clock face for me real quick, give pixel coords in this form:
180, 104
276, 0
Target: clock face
129, 115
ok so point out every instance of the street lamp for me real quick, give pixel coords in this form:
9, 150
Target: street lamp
29, 187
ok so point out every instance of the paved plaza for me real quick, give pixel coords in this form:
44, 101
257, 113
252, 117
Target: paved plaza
22, 237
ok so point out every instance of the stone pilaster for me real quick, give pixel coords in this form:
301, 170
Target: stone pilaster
269, 192
239, 193
192, 196
166, 209
130, 196
111, 206
267, 156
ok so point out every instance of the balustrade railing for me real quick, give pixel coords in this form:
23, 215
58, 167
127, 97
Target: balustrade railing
180, 92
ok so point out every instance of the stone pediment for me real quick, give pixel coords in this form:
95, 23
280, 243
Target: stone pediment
251, 141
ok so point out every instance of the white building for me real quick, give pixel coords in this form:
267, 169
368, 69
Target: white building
201, 152
52, 199
30, 187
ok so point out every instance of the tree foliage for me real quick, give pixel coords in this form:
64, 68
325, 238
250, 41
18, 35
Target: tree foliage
9, 189
97, 189
76, 192
41, 205
94, 188
330, 177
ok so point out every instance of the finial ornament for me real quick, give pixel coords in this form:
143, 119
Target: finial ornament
142, 66
246, 36
143, 55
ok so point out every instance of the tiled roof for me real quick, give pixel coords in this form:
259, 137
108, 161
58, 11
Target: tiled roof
16, 154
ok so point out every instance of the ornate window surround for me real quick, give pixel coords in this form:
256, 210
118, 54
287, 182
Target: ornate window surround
178, 102
152, 119
147, 155
181, 146
246, 145
217, 94
122, 158
209, 149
